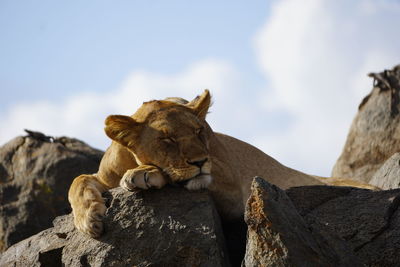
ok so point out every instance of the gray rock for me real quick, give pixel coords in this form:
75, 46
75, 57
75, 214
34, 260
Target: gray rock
388, 176
375, 132
167, 227
35, 174
278, 236
367, 220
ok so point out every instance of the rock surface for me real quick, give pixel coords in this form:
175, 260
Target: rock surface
369, 221
375, 132
388, 176
35, 174
168, 227
278, 236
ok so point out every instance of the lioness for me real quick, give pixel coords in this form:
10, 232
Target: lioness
169, 141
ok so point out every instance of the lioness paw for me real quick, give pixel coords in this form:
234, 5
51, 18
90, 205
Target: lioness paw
143, 177
90, 221
198, 183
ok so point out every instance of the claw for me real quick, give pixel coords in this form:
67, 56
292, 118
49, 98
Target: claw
146, 180
132, 180
98, 216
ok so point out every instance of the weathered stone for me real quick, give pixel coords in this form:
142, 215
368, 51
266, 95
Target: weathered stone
35, 175
168, 227
278, 236
375, 132
368, 220
388, 176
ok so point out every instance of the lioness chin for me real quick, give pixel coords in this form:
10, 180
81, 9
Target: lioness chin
169, 142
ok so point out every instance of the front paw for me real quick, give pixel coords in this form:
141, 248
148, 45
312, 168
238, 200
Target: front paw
198, 183
143, 177
90, 221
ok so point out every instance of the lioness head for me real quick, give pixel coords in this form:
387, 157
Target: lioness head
171, 134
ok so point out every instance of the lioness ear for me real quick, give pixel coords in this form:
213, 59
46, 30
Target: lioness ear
201, 104
122, 129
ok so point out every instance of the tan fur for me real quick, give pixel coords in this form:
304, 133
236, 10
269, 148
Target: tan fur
346, 182
169, 141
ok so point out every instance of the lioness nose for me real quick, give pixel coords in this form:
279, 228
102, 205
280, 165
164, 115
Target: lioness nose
198, 163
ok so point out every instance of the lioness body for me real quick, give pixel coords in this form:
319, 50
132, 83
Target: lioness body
169, 141
234, 163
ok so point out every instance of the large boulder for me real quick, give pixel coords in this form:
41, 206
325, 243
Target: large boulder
375, 132
35, 174
369, 221
168, 227
278, 235
388, 176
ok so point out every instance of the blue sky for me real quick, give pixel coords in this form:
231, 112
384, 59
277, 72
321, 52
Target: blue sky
286, 76
52, 49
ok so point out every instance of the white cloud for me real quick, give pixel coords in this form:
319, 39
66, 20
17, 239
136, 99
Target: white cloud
82, 116
315, 55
